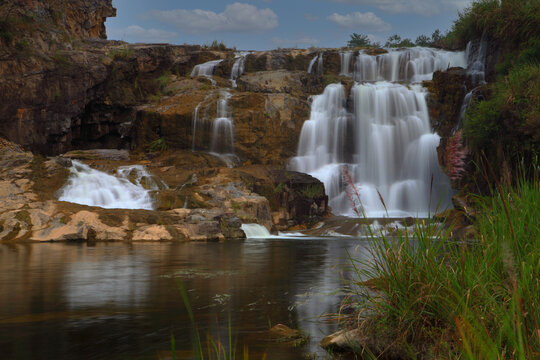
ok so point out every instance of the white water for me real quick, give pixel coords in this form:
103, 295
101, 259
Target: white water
256, 231
346, 57
476, 59
385, 142
238, 68
222, 137
129, 188
319, 60
206, 69
408, 65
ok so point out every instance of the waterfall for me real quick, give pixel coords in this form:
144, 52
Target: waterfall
256, 231
206, 69
408, 65
238, 68
383, 145
345, 57
319, 60
476, 54
129, 188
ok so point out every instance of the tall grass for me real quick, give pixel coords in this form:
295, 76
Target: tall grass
212, 348
439, 297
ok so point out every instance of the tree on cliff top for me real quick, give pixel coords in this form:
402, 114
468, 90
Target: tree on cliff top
360, 40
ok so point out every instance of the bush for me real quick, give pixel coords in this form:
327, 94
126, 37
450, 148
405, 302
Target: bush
510, 118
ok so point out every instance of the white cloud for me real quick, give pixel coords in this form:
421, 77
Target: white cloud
421, 7
140, 34
305, 40
361, 21
237, 17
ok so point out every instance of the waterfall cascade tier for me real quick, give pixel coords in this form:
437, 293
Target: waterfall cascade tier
476, 53
129, 188
205, 69
238, 67
221, 129
319, 61
378, 155
404, 65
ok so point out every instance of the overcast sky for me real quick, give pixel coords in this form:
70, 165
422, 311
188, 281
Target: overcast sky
268, 24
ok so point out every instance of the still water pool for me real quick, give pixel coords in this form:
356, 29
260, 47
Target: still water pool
121, 301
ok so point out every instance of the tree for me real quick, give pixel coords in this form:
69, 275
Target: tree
436, 36
393, 41
358, 40
423, 40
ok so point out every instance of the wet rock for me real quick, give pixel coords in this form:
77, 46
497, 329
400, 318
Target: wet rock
62, 161
380, 345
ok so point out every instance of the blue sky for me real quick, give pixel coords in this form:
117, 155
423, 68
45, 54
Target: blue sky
268, 24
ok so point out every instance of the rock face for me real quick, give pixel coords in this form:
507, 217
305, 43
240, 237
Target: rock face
203, 202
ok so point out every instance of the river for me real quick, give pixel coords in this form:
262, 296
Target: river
121, 301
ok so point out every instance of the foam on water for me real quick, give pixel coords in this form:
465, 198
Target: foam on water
129, 188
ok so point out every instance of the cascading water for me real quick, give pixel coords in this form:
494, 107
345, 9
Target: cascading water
384, 145
408, 65
319, 60
476, 53
346, 57
238, 68
206, 69
222, 140
129, 189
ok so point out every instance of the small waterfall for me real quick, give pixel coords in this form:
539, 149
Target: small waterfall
345, 57
129, 189
408, 65
256, 231
222, 140
222, 133
319, 60
476, 61
238, 68
206, 69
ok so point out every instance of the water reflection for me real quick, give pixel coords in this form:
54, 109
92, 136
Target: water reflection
115, 301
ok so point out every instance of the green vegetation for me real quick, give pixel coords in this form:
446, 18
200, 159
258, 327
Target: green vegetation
214, 349
157, 145
123, 52
164, 80
361, 40
446, 299
510, 118
216, 45
395, 41
512, 22
507, 125
313, 190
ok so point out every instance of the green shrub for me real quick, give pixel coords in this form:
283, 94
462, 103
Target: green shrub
510, 118
164, 80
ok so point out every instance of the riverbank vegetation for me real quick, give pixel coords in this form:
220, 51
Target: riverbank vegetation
428, 294
440, 298
506, 125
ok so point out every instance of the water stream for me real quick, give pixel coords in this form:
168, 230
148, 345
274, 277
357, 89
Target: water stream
128, 188
383, 148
